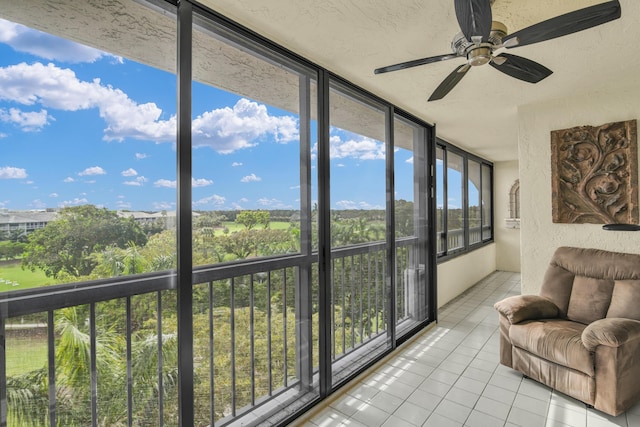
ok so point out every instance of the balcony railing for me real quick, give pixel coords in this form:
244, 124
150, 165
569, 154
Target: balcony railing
455, 238
109, 347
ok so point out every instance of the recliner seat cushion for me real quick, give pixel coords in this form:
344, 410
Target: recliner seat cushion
555, 340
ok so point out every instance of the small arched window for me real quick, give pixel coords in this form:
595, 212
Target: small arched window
513, 221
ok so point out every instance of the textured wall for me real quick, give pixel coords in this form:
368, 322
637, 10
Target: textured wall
507, 239
540, 236
459, 274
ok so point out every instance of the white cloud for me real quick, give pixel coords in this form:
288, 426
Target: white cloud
163, 205
214, 200
3, 135
34, 42
137, 182
229, 129
68, 179
200, 182
29, 121
225, 129
75, 202
129, 172
121, 204
94, 170
38, 204
409, 160
347, 204
54, 195
350, 204
251, 178
140, 156
267, 202
59, 88
239, 204
273, 203
9, 172
165, 183
236, 164
294, 187
362, 148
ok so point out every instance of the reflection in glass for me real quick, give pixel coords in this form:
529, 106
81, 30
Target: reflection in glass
440, 201
360, 296
255, 327
88, 135
455, 201
474, 213
487, 202
410, 223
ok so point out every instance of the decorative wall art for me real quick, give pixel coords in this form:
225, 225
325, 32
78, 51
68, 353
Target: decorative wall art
594, 172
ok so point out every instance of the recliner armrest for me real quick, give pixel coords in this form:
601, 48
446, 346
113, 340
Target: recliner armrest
612, 332
519, 308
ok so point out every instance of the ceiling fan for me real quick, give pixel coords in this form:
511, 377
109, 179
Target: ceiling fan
483, 41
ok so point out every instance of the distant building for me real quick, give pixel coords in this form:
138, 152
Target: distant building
29, 221
25, 221
166, 218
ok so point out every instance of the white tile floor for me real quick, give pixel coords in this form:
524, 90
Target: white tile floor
450, 376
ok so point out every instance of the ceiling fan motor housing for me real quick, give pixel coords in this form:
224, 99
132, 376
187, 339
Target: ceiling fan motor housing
479, 53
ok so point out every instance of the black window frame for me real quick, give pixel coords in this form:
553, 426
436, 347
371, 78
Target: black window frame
446, 254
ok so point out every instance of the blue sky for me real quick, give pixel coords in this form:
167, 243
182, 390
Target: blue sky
79, 126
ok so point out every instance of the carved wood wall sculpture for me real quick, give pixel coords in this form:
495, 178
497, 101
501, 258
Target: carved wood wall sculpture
595, 174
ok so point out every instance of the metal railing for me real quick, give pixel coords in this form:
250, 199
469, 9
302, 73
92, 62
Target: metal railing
455, 238
111, 344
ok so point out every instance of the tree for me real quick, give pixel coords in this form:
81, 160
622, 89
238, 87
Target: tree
11, 250
252, 218
207, 219
404, 218
17, 235
28, 394
241, 243
66, 244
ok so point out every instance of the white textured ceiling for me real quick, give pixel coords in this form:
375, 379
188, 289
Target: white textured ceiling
352, 38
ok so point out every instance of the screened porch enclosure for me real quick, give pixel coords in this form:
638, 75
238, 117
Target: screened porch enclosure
210, 319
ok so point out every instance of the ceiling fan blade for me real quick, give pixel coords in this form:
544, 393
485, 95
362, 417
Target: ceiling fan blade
415, 63
569, 23
521, 68
474, 18
450, 82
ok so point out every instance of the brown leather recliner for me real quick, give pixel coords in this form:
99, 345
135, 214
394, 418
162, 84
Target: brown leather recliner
581, 335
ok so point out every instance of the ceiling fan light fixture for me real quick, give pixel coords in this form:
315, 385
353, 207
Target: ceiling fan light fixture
479, 56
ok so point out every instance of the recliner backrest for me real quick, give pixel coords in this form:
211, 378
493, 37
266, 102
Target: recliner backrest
590, 284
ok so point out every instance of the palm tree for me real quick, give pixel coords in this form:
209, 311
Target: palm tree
27, 394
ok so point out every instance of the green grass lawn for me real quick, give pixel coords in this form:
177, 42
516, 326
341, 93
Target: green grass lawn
234, 226
13, 277
25, 354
